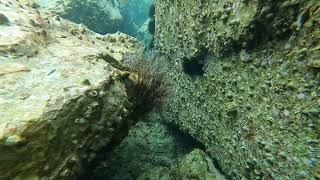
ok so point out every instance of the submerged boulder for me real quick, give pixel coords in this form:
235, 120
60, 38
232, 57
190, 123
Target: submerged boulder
245, 82
195, 165
137, 18
221, 25
144, 33
101, 16
62, 94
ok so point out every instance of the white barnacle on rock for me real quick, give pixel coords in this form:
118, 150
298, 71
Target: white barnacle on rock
87, 111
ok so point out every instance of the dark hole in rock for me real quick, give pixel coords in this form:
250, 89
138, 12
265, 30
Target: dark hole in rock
194, 66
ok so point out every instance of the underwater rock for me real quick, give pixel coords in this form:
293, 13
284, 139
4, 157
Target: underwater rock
144, 33
256, 105
136, 19
3, 20
221, 26
148, 145
62, 94
101, 16
195, 165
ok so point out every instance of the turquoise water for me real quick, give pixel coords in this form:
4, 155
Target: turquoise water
137, 16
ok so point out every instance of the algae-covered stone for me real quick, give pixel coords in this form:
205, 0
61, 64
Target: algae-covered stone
255, 106
61, 93
218, 26
148, 145
195, 165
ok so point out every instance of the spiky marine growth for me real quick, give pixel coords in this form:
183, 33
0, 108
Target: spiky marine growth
150, 87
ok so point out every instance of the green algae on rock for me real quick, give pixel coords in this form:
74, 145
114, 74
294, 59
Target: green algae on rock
255, 106
149, 144
195, 165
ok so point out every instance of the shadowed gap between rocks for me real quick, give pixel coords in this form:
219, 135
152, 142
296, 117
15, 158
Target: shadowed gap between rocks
106, 154
194, 66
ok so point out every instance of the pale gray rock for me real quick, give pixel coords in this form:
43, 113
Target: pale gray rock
61, 97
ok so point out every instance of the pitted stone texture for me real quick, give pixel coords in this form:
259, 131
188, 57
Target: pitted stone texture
195, 165
255, 108
192, 27
61, 97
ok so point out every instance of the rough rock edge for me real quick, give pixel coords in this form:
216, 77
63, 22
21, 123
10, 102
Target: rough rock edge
256, 110
195, 165
68, 128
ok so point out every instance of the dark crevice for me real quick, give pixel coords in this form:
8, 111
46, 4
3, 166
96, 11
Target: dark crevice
105, 152
261, 31
187, 139
194, 66
190, 141
152, 25
218, 166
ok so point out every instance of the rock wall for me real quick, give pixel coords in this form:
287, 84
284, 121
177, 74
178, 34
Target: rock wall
101, 16
62, 94
195, 165
220, 26
245, 82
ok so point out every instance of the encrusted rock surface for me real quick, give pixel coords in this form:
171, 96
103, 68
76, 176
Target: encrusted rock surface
195, 165
62, 96
245, 78
218, 26
149, 144
101, 16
